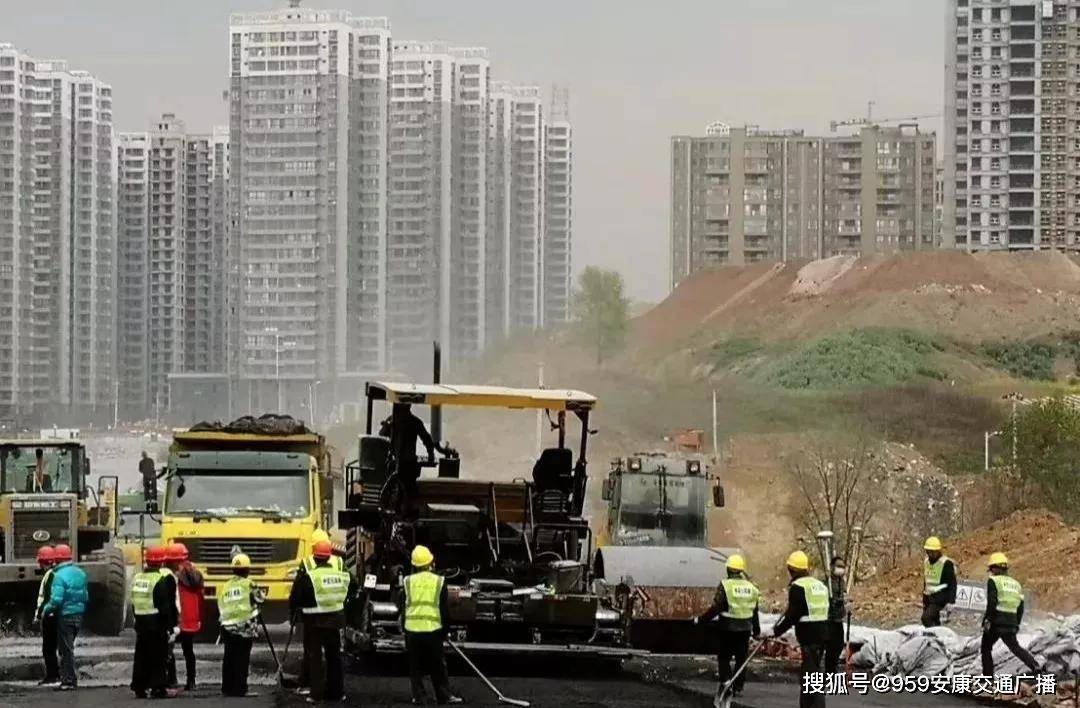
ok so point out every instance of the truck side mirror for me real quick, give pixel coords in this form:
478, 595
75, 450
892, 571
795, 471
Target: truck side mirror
718, 496
607, 489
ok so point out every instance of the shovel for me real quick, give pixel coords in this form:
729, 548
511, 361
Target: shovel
285, 680
497, 692
723, 697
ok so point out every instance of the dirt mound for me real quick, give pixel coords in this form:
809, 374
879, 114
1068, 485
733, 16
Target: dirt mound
1040, 548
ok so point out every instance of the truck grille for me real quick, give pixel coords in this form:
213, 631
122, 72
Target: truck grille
218, 551
27, 523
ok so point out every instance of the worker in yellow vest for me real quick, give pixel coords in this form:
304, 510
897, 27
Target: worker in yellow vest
307, 564
153, 599
1004, 612
736, 603
808, 611
939, 582
46, 558
424, 614
322, 596
238, 611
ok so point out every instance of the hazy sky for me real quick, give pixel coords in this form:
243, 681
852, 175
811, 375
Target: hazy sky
638, 72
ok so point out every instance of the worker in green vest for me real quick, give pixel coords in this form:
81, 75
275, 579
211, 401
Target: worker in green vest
736, 603
423, 607
238, 611
939, 582
307, 564
1004, 612
46, 558
322, 596
153, 600
808, 611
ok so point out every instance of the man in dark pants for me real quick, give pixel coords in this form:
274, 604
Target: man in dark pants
834, 646
46, 558
322, 595
153, 598
307, 565
939, 582
238, 613
149, 477
68, 596
405, 428
423, 606
808, 611
1004, 612
736, 603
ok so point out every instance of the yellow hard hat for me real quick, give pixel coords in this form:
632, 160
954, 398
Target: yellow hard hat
422, 557
798, 561
319, 535
999, 558
736, 562
241, 560
932, 544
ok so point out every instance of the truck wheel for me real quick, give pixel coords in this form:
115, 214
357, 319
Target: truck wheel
109, 615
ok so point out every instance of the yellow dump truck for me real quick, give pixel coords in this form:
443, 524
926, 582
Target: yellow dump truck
255, 486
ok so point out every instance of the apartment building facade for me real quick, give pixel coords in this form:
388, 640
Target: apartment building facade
558, 221
1011, 155
743, 195
57, 239
305, 200
133, 274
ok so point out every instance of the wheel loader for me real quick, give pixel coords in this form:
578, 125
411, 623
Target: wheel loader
45, 500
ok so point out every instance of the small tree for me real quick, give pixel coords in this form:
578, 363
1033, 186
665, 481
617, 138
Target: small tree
602, 311
1047, 465
840, 491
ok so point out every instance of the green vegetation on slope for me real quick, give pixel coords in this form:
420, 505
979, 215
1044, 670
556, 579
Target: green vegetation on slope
1025, 360
861, 358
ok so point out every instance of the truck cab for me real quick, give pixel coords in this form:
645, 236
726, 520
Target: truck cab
244, 492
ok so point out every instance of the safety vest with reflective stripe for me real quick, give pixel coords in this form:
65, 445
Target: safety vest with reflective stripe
422, 591
932, 575
142, 592
234, 602
41, 588
1009, 593
742, 598
817, 599
336, 562
331, 588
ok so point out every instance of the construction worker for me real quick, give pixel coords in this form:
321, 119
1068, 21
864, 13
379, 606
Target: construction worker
46, 558
68, 595
190, 591
238, 611
1004, 612
835, 641
322, 595
153, 599
423, 607
939, 582
736, 603
306, 566
808, 611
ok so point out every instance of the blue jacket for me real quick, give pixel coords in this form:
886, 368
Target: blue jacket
69, 593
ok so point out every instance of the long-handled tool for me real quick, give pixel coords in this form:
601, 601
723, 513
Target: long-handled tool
286, 680
497, 692
724, 696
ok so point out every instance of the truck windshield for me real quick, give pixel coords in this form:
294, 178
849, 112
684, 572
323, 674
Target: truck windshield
20, 471
661, 510
284, 494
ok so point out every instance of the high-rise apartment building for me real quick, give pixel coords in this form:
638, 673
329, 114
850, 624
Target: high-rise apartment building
57, 231
308, 166
133, 274
1010, 125
741, 195
558, 221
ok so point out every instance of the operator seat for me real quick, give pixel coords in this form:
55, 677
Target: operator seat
553, 481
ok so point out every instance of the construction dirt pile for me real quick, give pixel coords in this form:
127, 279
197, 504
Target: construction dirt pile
1039, 546
969, 297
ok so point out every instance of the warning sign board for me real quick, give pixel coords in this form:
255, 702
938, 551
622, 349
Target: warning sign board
970, 596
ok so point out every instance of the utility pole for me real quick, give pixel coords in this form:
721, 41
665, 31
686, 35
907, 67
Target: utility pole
116, 404
715, 430
1015, 397
539, 413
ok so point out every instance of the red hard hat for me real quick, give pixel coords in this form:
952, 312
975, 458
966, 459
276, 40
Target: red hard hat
322, 550
46, 554
155, 555
177, 552
63, 552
